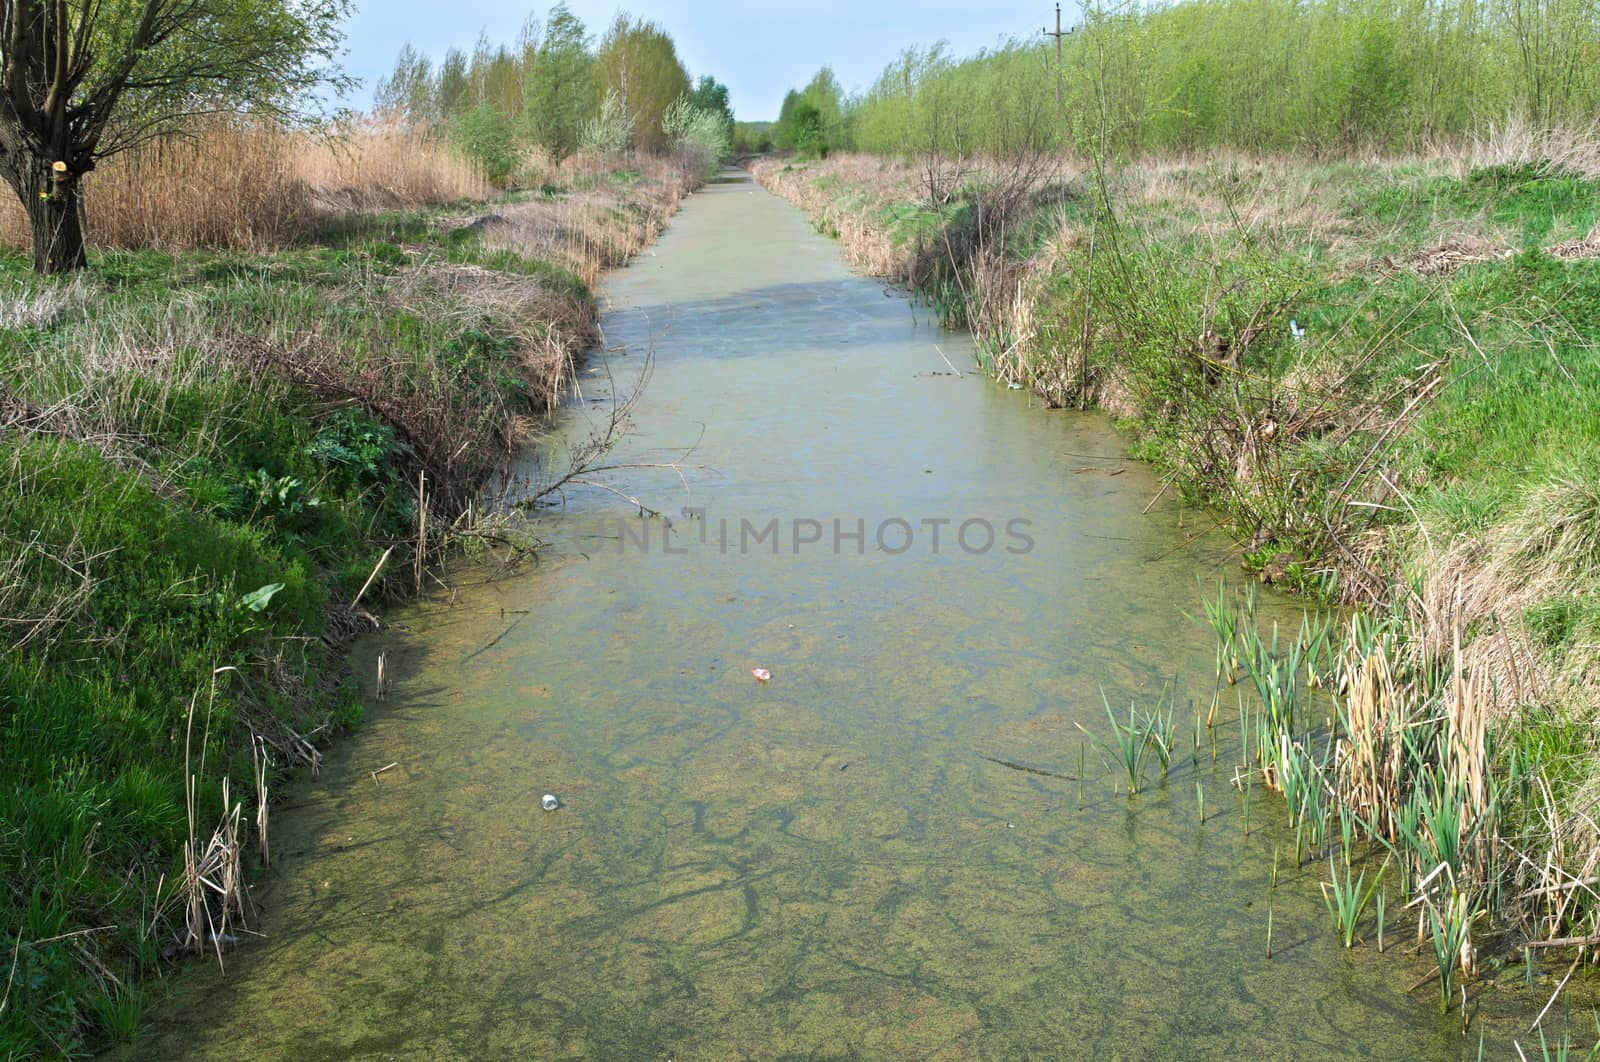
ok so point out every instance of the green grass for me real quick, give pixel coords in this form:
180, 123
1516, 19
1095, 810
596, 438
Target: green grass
1527, 204
177, 483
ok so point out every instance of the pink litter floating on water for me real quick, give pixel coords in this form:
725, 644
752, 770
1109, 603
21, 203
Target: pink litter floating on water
762, 675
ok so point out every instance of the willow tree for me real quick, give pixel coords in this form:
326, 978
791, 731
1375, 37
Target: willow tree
639, 62
561, 93
81, 80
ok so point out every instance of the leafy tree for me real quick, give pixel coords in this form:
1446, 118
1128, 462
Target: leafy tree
711, 96
752, 138
408, 94
1257, 75
485, 134
827, 97
452, 88
640, 63
809, 139
800, 128
815, 119
81, 81
560, 90
497, 78
607, 132
696, 134
783, 128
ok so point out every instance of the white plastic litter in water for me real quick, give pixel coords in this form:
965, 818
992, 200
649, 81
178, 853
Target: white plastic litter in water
550, 803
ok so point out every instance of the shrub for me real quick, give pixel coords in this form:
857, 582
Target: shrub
484, 135
697, 135
607, 133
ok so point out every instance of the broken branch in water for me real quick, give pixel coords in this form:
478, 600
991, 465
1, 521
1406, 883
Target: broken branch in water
953, 369
644, 510
380, 770
588, 458
1166, 485
1570, 971
368, 584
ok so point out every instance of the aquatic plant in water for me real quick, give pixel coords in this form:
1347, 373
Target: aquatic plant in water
1450, 931
1132, 742
1408, 759
1348, 899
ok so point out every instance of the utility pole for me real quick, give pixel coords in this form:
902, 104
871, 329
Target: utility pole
1058, 34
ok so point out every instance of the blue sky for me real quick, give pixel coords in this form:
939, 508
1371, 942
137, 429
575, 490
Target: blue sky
759, 48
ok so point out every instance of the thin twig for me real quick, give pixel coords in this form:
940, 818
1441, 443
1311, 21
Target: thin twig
16, 950
364, 586
1570, 971
953, 369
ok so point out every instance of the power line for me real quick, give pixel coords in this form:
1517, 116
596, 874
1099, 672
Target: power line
1058, 34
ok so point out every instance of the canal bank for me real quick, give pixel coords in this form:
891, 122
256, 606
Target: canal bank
846, 859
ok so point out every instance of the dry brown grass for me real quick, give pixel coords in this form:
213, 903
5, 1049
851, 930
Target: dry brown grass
1486, 582
601, 223
338, 346
256, 188
849, 200
1517, 141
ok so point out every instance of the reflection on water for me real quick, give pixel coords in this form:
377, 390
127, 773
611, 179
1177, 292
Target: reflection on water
883, 851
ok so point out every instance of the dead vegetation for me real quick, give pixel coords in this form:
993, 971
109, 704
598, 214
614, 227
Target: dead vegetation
256, 187
602, 222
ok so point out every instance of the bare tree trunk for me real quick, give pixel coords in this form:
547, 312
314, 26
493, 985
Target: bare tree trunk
55, 217
53, 202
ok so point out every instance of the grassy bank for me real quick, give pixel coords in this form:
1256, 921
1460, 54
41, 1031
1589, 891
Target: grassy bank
204, 459
1382, 375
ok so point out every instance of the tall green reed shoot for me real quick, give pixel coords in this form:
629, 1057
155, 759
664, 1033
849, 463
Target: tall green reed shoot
1450, 933
1132, 743
1348, 899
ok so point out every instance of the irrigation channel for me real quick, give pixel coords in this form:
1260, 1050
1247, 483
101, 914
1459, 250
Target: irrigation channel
883, 851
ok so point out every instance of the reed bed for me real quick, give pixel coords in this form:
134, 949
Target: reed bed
1415, 772
256, 187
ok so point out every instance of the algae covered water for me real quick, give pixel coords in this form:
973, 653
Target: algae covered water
884, 851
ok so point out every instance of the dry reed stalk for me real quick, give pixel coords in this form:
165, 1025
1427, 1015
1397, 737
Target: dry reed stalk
375, 570
212, 874
258, 759
1467, 710
1374, 720
251, 186
422, 526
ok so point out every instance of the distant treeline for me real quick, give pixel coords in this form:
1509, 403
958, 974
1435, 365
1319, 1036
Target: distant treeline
556, 90
752, 138
1258, 75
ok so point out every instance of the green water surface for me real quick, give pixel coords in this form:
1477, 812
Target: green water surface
848, 861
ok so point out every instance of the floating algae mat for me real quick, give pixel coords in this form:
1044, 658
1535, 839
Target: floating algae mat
880, 852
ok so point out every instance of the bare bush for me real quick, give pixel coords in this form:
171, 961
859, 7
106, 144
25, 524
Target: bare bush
1555, 150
